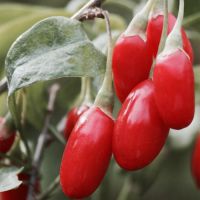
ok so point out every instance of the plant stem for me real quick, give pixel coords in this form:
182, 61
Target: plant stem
178, 24
3, 85
165, 28
163, 36
88, 99
83, 87
171, 6
174, 40
105, 96
61, 124
42, 141
90, 4
81, 96
138, 24
54, 185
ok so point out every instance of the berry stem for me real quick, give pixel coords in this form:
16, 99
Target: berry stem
157, 8
81, 96
139, 23
105, 96
163, 36
88, 99
174, 40
83, 87
165, 28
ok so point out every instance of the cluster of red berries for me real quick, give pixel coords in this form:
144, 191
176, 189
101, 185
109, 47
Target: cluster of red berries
150, 106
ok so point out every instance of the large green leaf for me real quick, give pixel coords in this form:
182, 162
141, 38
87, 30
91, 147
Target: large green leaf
53, 48
9, 179
16, 20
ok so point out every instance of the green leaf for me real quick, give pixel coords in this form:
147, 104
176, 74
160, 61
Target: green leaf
53, 48
15, 25
9, 179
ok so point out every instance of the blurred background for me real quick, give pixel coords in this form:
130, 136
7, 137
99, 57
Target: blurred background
169, 176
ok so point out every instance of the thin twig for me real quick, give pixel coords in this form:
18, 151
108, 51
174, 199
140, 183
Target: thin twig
61, 124
54, 185
91, 4
42, 141
3, 85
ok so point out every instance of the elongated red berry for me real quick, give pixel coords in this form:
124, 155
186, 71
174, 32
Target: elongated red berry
131, 64
72, 118
154, 31
196, 162
139, 132
132, 59
87, 154
89, 148
22, 191
7, 136
174, 80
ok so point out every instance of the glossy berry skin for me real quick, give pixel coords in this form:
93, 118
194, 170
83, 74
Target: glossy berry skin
174, 89
131, 64
139, 132
6, 138
87, 154
22, 191
154, 31
72, 118
196, 162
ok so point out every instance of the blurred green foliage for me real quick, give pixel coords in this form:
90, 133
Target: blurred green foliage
169, 176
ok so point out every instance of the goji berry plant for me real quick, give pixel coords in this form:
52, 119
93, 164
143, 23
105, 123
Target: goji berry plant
100, 99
